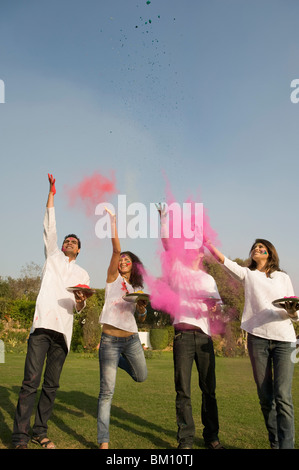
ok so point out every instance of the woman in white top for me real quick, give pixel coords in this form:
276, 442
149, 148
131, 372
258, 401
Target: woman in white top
271, 336
120, 344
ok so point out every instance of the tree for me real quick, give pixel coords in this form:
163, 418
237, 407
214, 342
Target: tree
230, 289
27, 286
4, 288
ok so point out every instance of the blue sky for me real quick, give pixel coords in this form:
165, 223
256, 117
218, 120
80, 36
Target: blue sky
198, 89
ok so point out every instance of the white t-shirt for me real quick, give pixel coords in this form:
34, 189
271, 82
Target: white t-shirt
54, 304
260, 317
118, 312
193, 287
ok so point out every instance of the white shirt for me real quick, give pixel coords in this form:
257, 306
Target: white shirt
192, 287
260, 317
54, 304
118, 312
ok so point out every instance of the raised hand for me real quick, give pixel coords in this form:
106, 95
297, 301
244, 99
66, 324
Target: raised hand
113, 216
161, 209
52, 184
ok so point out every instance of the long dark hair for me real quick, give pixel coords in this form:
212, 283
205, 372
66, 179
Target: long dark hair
136, 278
272, 261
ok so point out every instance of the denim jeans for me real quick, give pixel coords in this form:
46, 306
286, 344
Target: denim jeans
42, 344
273, 373
189, 346
126, 353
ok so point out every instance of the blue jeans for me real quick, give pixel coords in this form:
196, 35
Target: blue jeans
126, 353
273, 373
42, 344
190, 346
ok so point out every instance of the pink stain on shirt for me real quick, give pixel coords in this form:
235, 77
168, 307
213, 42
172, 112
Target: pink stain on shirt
124, 287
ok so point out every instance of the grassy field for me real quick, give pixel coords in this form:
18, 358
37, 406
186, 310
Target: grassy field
143, 415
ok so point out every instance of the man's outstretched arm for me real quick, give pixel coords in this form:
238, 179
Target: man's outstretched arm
52, 191
50, 235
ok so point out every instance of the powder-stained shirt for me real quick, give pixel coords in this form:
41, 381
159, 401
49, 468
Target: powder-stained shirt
55, 305
260, 317
118, 312
193, 288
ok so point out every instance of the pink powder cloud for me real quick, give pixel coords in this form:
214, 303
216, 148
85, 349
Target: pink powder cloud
162, 296
91, 191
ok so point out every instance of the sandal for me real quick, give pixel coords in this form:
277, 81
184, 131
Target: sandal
215, 445
44, 442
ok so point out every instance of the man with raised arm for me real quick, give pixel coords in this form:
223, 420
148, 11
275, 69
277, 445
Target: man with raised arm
51, 331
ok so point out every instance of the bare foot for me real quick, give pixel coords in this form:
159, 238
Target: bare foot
104, 445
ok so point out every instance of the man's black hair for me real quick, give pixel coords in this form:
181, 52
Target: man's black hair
72, 235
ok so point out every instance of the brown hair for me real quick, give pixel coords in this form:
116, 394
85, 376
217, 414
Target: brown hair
272, 263
136, 278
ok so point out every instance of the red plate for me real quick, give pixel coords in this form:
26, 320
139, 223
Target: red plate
82, 288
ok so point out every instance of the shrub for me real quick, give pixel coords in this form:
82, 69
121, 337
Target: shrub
6, 306
23, 312
77, 337
20, 311
91, 329
86, 329
159, 338
170, 331
15, 341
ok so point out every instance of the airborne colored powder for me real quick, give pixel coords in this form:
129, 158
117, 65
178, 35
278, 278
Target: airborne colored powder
182, 286
91, 191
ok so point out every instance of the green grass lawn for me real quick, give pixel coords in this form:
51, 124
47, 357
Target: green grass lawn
143, 415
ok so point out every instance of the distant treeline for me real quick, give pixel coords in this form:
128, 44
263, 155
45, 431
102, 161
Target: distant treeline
18, 297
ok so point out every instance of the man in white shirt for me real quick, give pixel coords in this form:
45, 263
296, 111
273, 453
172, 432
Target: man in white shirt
197, 297
51, 331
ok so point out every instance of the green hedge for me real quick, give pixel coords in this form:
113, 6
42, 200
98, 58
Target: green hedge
159, 338
87, 329
21, 311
